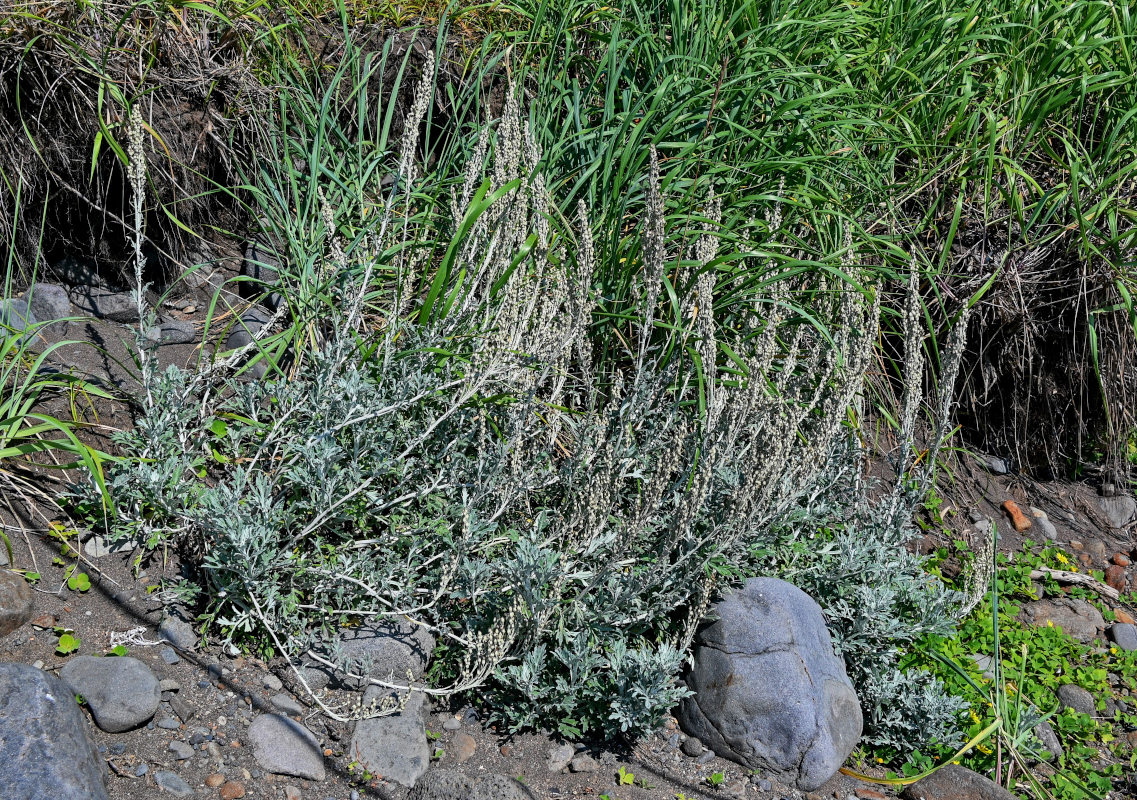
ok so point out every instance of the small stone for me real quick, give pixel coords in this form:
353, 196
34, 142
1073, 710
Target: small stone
232, 790
178, 632
286, 747
1076, 698
118, 748
182, 708
1124, 616
175, 332
121, 692
181, 750
953, 782
1019, 520
1049, 740
452, 724
292, 793
141, 770
44, 621
172, 783
199, 735
1121, 560
15, 601
214, 780
559, 757
169, 656
463, 747
1124, 635
169, 724
870, 794
286, 705
692, 747
505, 750
169, 685
1119, 511
584, 763
272, 683
48, 301
1115, 577
706, 757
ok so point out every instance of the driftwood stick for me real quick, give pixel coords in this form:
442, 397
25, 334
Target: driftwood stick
1062, 576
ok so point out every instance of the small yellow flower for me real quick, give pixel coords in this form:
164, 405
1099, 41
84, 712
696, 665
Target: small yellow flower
1050, 623
1061, 558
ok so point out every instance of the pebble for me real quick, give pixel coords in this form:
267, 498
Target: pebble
141, 770
181, 750
1121, 560
463, 747
286, 705
1124, 635
692, 747
451, 724
173, 783
559, 757
118, 748
272, 683
584, 763
169, 724
232, 790
177, 632
214, 780
505, 750
293, 793
169, 656
169, 685
706, 757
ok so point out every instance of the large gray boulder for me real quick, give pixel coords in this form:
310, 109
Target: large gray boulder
769, 692
121, 692
393, 746
45, 752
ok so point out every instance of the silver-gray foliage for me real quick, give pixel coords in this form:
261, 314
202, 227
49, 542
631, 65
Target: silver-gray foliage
558, 530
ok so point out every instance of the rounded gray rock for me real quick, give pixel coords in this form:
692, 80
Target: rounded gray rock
1077, 698
769, 692
385, 649
1124, 635
393, 746
173, 783
45, 751
445, 784
177, 632
286, 747
16, 601
48, 301
1076, 617
121, 692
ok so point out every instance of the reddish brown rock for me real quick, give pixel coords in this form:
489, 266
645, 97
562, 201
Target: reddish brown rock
1123, 616
1020, 520
1115, 577
1121, 560
215, 780
871, 794
463, 747
232, 790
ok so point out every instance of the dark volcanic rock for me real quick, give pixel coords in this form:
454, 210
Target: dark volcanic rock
45, 752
